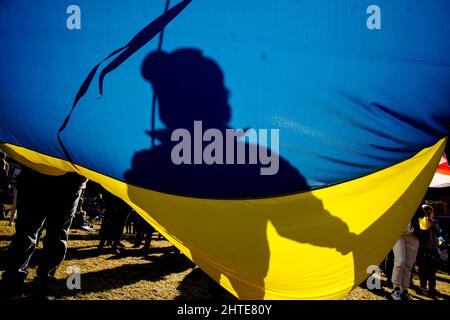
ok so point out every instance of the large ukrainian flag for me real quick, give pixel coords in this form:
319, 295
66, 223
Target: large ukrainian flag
362, 106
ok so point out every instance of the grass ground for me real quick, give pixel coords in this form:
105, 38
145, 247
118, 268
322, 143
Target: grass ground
163, 274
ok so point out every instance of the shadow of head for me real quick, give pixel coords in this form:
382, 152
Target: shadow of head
189, 87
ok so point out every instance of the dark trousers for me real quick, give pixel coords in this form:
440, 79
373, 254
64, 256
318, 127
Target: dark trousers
143, 231
147, 235
111, 231
2, 207
56, 210
388, 267
427, 260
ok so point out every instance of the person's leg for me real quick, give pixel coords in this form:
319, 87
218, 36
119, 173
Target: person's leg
116, 247
411, 246
121, 226
3, 197
129, 223
101, 244
2, 208
116, 231
12, 217
148, 240
104, 234
432, 270
389, 265
422, 268
413, 270
426, 267
58, 223
29, 223
138, 239
399, 262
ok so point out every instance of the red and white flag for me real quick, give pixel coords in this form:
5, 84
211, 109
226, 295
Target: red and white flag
441, 178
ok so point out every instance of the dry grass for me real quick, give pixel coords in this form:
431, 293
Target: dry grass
163, 274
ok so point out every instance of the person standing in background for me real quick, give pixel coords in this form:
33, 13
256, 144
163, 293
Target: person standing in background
428, 256
405, 253
115, 218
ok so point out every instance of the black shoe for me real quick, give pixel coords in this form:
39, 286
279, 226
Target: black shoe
12, 289
118, 251
433, 292
145, 251
421, 290
100, 248
389, 284
46, 288
405, 296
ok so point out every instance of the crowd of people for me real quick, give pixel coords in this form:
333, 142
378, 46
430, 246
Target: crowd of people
418, 245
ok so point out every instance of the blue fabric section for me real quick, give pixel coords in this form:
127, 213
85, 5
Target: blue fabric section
347, 100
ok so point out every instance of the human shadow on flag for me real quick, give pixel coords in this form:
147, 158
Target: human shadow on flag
217, 202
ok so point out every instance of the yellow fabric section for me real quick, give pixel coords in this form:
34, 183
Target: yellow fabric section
312, 245
37, 161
